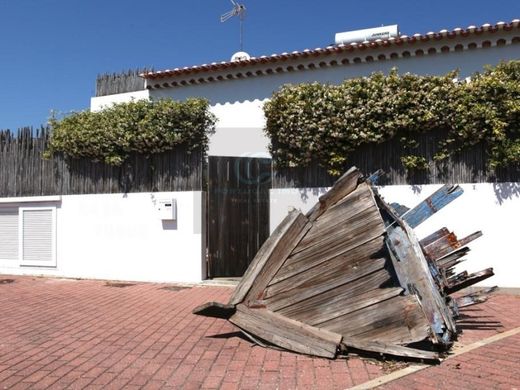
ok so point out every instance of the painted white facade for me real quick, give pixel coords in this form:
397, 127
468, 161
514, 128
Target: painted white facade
492, 208
101, 102
121, 237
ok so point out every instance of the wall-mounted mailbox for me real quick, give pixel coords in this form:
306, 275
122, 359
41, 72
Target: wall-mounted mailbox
167, 209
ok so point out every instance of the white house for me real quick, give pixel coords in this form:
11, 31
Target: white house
120, 236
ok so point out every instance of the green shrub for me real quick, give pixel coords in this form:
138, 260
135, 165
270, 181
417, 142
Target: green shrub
326, 123
145, 127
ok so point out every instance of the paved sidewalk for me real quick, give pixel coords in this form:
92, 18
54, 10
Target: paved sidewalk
87, 334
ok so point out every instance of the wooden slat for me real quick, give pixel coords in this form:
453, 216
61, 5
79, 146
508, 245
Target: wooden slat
303, 272
342, 218
338, 309
24, 172
294, 221
344, 293
341, 188
322, 284
286, 333
469, 166
450, 247
449, 240
409, 327
434, 236
449, 259
470, 280
439, 199
397, 319
414, 275
389, 349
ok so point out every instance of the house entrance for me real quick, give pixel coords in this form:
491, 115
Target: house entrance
238, 212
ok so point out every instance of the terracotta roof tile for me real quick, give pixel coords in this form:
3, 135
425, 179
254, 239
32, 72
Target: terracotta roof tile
441, 35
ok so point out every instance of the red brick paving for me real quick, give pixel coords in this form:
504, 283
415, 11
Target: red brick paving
83, 334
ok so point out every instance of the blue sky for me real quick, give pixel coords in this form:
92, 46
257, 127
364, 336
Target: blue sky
52, 50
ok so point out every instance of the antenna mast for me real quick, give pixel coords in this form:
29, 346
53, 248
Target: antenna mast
240, 11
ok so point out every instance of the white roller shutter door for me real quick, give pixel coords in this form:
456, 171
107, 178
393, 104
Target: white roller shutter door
37, 236
8, 234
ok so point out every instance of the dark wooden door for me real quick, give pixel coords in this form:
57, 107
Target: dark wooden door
238, 212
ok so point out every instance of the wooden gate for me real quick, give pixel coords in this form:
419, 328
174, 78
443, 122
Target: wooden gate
238, 212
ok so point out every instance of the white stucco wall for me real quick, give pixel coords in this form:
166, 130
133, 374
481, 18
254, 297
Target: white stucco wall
492, 208
100, 102
121, 237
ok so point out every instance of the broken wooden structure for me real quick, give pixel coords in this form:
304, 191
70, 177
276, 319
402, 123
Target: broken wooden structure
351, 274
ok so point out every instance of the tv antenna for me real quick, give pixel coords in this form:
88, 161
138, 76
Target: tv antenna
240, 11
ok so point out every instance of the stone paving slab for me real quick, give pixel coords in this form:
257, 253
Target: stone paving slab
59, 333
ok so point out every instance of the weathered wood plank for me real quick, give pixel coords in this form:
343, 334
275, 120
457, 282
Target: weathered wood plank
450, 247
341, 188
397, 318
363, 213
339, 309
434, 236
440, 198
303, 272
469, 280
414, 275
343, 293
389, 349
320, 285
286, 333
444, 262
408, 327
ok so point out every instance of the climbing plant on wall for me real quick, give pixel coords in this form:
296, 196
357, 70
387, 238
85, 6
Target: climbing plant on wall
145, 127
325, 123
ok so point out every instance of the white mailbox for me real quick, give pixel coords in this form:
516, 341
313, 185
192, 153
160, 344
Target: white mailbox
167, 209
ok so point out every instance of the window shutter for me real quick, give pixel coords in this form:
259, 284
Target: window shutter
37, 237
9, 234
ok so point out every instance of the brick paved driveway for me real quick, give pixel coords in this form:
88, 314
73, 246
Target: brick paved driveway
77, 334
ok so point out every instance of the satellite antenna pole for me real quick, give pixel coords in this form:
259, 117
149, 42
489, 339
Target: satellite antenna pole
240, 11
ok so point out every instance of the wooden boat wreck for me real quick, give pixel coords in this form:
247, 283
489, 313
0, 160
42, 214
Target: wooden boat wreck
351, 274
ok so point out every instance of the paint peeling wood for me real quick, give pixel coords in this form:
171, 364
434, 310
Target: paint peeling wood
434, 236
439, 199
450, 247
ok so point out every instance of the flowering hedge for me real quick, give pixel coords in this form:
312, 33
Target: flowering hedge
145, 127
325, 123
